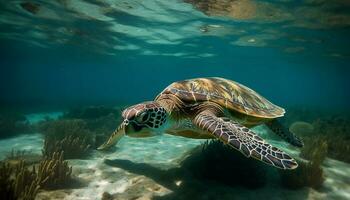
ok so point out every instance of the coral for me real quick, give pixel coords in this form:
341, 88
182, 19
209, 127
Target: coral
73, 147
339, 148
308, 174
70, 136
6, 184
100, 120
301, 128
62, 128
314, 149
335, 131
12, 124
332, 129
329, 137
54, 172
18, 182
22, 185
16, 156
26, 185
79, 130
103, 127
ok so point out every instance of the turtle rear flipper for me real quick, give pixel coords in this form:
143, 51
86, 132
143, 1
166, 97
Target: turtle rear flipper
281, 131
244, 140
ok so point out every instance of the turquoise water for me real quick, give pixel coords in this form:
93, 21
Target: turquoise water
105, 55
86, 52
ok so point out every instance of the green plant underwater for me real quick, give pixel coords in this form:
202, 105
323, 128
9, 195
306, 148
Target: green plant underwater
20, 182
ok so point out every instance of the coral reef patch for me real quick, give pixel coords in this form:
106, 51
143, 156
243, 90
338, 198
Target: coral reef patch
23, 181
12, 124
70, 136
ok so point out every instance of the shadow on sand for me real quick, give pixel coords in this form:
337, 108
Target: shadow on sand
210, 172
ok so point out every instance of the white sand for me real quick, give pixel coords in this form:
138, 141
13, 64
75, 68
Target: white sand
38, 117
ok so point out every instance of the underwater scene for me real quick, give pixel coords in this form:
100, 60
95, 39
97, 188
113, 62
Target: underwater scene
174, 99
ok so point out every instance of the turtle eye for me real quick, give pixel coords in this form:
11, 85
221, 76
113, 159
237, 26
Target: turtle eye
142, 118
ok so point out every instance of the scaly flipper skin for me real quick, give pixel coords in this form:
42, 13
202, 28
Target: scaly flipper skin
243, 140
114, 138
278, 128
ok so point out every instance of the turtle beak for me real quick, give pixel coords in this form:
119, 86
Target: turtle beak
114, 138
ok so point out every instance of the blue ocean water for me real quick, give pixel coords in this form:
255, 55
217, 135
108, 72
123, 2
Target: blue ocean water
64, 54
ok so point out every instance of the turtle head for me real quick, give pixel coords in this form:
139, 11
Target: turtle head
144, 119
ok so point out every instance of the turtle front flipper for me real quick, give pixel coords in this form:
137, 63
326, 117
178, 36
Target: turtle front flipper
281, 131
243, 140
114, 138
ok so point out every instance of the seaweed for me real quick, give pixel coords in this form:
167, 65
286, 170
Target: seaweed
93, 124
315, 149
16, 156
309, 173
19, 182
62, 128
22, 185
70, 136
26, 184
103, 127
100, 120
54, 172
339, 148
73, 147
335, 130
6, 184
327, 136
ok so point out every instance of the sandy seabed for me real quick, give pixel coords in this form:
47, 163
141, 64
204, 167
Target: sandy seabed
131, 172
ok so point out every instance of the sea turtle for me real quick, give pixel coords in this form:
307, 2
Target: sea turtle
210, 108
